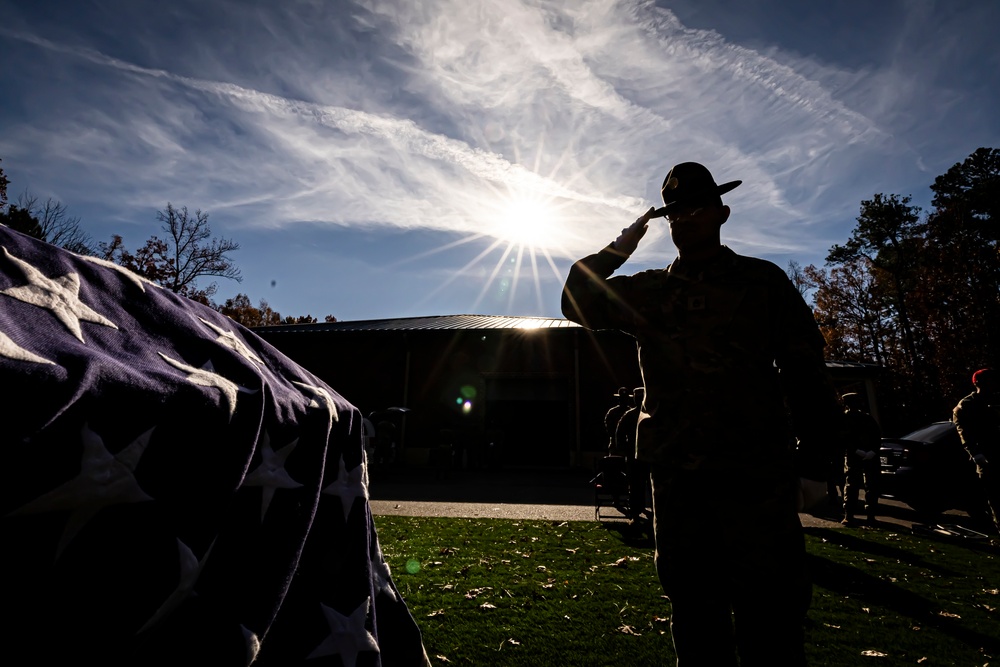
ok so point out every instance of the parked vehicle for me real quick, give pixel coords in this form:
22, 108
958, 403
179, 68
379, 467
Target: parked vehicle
928, 469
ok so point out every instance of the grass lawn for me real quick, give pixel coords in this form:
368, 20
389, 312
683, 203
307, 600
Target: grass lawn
506, 592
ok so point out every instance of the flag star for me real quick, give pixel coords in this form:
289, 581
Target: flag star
348, 635
349, 486
12, 350
207, 377
253, 643
322, 394
61, 296
382, 578
105, 479
190, 570
132, 277
229, 339
271, 474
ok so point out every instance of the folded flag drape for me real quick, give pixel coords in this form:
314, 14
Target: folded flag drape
176, 491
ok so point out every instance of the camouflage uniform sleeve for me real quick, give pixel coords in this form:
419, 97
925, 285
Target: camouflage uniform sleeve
808, 388
966, 423
590, 299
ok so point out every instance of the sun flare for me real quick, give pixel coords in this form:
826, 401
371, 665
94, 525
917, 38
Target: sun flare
527, 221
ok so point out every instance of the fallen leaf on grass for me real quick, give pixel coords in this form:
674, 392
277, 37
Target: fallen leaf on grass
442, 658
629, 630
924, 659
572, 551
835, 627
871, 653
487, 605
541, 568
514, 642
948, 614
660, 619
438, 612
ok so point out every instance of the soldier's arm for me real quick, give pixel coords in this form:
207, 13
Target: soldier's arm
808, 388
964, 418
588, 298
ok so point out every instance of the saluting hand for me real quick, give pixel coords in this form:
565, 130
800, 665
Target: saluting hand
628, 240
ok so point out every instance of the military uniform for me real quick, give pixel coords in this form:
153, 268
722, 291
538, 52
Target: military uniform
977, 419
732, 363
862, 433
612, 417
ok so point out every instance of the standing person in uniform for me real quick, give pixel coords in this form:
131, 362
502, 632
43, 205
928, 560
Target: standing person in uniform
725, 342
638, 471
614, 415
862, 466
977, 418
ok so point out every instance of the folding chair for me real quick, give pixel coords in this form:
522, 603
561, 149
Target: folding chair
610, 484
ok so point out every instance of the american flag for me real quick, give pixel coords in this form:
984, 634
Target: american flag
176, 490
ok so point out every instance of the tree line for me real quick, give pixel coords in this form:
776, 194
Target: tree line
918, 293
180, 261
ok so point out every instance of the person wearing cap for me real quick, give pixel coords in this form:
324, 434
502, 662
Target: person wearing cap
862, 467
733, 370
977, 419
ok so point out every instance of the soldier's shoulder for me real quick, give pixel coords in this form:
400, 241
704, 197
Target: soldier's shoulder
758, 265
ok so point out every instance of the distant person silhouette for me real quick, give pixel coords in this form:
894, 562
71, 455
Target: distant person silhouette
862, 465
623, 402
638, 471
724, 343
977, 419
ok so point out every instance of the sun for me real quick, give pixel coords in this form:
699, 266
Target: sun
526, 221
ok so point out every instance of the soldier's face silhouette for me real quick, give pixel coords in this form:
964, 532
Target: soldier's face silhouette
694, 229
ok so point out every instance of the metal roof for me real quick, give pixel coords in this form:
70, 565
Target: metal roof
434, 322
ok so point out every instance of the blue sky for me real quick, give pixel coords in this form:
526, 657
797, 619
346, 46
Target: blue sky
390, 159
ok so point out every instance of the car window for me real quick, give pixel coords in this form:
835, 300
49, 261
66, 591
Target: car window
931, 433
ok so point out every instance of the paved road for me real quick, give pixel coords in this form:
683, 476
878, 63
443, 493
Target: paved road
553, 495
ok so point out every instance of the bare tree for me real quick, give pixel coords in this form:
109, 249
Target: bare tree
188, 253
55, 225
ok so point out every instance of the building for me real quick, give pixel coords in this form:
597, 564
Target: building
484, 390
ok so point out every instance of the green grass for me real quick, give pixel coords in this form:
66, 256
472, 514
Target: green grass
495, 591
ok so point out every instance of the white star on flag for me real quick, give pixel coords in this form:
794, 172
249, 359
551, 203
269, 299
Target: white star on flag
104, 480
12, 350
60, 296
348, 635
207, 377
229, 339
381, 576
324, 395
271, 474
348, 486
190, 569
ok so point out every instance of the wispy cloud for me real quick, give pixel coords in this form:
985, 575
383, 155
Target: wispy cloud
437, 115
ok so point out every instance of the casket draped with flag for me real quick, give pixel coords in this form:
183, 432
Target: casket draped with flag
176, 491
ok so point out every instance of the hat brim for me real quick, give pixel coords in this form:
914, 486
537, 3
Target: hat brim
719, 191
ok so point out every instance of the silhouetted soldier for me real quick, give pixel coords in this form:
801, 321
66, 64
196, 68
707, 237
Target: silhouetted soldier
862, 465
977, 418
724, 341
614, 415
638, 471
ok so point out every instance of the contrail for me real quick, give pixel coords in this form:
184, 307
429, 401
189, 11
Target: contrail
404, 134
